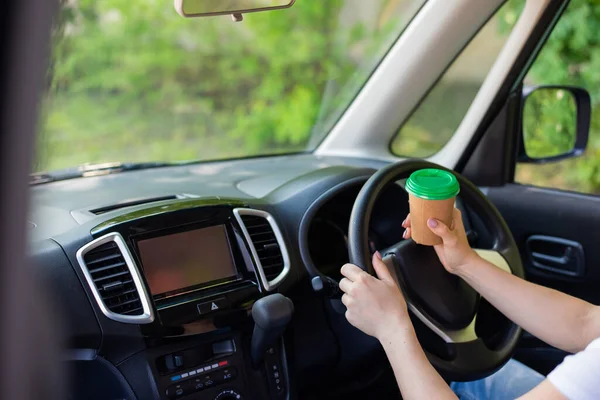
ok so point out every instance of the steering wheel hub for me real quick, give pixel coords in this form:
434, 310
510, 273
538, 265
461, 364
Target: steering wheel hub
444, 297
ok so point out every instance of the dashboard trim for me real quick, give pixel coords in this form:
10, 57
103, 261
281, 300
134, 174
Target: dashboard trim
312, 211
148, 313
161, 208
274, 283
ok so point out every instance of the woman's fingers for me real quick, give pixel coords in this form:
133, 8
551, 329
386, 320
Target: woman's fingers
381, 269
346, 300
352, 272
407, 233
406, 222
345, 285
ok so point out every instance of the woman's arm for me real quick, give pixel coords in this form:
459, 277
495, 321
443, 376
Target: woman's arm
377, 307
558, 319
543, 391
414, 373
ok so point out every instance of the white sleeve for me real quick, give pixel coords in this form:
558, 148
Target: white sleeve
578, 376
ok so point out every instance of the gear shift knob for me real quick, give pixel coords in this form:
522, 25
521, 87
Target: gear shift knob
271, 316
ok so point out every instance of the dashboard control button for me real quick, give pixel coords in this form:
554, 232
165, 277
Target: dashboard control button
225, 375
197, 384
212, 306
173, 361
209, 380
178, 390
178, 360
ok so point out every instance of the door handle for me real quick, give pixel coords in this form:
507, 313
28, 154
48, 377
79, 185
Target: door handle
564, 260
556, 255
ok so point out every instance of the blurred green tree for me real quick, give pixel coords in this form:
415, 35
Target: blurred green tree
132, 80
549, 122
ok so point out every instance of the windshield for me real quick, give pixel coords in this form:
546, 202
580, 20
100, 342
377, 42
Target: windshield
131, 81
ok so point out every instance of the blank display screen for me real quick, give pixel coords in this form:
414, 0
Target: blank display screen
186, 259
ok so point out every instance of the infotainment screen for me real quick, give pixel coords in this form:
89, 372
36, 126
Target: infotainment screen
185, 259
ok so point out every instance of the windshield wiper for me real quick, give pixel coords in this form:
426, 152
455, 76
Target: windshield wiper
115, 167
86, 170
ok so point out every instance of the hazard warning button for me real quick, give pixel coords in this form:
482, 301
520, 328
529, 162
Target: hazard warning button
214, 305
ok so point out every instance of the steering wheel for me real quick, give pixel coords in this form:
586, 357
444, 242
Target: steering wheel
445, 304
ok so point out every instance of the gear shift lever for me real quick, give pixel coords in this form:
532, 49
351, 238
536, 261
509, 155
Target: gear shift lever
271, 316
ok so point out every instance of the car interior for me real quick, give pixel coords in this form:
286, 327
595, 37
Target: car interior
218, 279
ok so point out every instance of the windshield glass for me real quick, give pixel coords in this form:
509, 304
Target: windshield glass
131, 81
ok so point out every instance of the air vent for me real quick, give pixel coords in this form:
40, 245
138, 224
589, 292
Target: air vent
267, 246
114, 280
264, 241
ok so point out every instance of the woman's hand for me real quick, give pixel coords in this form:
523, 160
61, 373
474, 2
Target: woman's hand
375, 306
454, 252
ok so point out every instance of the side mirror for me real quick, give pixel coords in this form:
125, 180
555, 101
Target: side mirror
555, 123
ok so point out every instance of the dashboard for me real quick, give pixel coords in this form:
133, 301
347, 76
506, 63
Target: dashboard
155, 274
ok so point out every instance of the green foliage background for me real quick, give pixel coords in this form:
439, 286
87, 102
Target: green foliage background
549, 122
132, 81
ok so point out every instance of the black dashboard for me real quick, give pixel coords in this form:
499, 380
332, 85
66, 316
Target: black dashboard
154, 274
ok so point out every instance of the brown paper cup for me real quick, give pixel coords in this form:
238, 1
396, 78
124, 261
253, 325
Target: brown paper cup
421, 210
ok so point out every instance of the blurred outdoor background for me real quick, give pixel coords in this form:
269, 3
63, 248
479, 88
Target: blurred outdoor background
130, 80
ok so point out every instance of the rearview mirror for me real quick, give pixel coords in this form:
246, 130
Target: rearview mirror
555, 123
208, 8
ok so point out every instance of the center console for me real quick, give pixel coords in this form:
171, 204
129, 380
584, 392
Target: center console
188, 273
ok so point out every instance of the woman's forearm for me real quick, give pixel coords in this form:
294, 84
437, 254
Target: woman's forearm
558, 319
416, 377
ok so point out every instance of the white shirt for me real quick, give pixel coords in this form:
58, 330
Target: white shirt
578, 376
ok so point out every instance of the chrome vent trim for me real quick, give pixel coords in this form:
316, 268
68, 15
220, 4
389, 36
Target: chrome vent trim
147, 315
268, 285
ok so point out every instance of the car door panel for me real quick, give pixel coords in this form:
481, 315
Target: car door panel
558, 234
536, 214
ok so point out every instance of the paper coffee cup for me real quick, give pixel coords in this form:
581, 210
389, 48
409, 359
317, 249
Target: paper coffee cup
431, 194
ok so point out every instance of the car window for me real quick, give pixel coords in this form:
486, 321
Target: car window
571, 56
439, 114
132, 81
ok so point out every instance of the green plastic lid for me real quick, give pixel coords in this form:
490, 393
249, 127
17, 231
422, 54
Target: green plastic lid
432, 184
